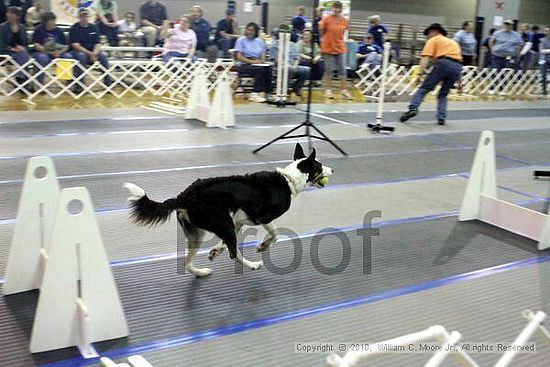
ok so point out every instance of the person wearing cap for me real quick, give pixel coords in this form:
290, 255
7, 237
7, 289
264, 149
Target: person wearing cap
226, 33
505, 47
368, 52
446, 57
86, 46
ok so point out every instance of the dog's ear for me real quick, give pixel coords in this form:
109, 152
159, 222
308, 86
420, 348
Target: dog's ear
312, 156
298, 152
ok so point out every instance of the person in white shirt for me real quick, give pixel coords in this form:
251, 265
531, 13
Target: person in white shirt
179, 41
128, 24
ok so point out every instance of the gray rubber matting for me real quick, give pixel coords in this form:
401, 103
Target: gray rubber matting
160, 303
453, 115
101, 126
107, 192
468, 307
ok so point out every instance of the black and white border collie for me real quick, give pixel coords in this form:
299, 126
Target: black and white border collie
222, 205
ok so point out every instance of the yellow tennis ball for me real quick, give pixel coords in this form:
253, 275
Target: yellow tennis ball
324, 180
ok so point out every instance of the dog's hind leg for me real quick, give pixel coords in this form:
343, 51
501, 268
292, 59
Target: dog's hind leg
271, 237
194, 236
220, 247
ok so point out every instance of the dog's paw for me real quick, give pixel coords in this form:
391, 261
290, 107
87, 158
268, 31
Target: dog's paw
214, 253
200, 272
264, 245
255, 265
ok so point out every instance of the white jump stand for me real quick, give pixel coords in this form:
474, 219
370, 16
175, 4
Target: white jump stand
481, 203
198, 104
221, 113
57, 248
33, 227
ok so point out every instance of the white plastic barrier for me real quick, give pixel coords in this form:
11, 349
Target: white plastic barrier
446, 341
436, 333
198, 104
57, 248
481, 203
221, 112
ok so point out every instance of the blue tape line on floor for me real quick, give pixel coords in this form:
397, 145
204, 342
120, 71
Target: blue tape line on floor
299, 314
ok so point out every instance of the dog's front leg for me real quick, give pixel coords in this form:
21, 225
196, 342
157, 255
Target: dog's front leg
271, 239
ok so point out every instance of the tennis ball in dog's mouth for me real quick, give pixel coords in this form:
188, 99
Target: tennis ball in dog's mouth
323, 180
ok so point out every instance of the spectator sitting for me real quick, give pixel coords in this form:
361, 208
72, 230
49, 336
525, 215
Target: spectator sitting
226, 33
304, 52
180, 40
468, 43
377, 30
296, 71
84, 40
107, 19
250, 51
298, 24
34, 14
13, 40
368, 53
49, 43
128, 27
201, 27
152, 14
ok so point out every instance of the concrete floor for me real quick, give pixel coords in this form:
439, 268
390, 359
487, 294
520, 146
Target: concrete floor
417, 174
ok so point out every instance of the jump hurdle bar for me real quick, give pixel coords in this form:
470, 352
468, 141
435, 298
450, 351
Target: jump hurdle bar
57, 248
481, 203
448, 342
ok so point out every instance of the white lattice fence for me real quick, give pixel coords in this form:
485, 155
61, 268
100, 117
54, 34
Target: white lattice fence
475, 81
127, 77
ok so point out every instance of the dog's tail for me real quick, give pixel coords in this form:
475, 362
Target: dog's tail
145, 211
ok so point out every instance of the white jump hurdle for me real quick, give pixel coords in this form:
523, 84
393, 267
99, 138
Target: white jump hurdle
198, 104
57, 248
436, 333
447, 341
481, 203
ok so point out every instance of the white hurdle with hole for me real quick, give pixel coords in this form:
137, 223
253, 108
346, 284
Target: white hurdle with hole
481, 203
57, 248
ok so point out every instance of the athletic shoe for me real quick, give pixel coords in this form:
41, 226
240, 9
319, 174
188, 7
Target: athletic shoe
408, 115
256, 97
503, 93
441, 121
491, 92
328, 94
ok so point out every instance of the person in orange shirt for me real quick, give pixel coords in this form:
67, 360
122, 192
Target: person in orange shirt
446, 57
333, 28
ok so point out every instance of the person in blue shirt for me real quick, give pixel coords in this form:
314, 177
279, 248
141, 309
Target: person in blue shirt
368, 52
468, 43
226, 33
377, 30
202, 28
298, 24
86, 46
296, 71
505, 47
530, 51
250, 55
487, 43
13, 40
49, 43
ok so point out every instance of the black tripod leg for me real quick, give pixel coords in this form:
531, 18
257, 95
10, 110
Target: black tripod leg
277, 138
330, 141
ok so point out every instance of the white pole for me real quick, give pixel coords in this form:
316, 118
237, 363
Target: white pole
535, 321
280, 63
381, 95
285, 65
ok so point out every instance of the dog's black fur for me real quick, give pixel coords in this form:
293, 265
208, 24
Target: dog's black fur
210, 203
